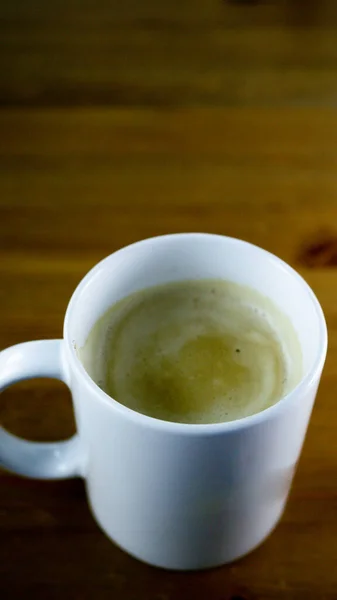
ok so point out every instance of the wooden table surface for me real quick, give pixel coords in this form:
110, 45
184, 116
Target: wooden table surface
122, 120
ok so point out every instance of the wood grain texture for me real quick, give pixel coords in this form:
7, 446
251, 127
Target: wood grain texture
173, 53
124, 120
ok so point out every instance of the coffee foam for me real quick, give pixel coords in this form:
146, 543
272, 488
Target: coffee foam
194, 352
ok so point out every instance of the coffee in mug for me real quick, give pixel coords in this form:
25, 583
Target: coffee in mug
197, 351
228, 358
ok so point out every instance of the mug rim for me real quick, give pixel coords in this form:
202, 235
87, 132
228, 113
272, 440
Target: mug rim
308, 378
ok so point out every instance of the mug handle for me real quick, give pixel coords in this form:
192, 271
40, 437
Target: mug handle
56, 460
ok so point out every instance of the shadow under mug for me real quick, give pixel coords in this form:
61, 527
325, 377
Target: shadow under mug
174, 495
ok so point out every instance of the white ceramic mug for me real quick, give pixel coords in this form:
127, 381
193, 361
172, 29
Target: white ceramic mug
174, 495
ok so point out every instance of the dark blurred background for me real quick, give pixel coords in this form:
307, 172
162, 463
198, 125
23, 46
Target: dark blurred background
125, 119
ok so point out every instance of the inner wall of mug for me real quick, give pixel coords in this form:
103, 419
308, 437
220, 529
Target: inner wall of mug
196, 256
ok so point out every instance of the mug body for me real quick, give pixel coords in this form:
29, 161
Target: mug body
190, 496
